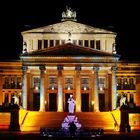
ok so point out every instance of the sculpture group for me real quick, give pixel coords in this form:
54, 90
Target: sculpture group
69, 14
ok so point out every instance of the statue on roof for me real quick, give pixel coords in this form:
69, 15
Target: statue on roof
114, 48
69, 37
69, 14
24, 47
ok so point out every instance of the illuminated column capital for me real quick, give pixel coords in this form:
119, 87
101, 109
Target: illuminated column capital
96, 69
42, 67
59, 67
78, 68
24, 69
113, 69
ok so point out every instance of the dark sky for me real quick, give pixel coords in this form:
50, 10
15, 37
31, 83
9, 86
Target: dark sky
115, 15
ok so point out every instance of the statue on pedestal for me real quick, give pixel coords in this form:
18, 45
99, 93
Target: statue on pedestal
16, 99
123, 101
71, 118
71, 103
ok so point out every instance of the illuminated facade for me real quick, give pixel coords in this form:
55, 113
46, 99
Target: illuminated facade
69, 58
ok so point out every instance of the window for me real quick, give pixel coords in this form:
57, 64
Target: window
19, 83
6, 83
13, 85
57, 42
86, 44
62, 42
85, 83
68, 83
119, 83
39, 44
101, 83
74, 42
125, 84
36, 82
92, 43
52, 83
131, 84
51, 43
80, 42
45, 43
98, 45
12, 82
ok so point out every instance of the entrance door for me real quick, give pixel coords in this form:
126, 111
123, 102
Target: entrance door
36, 101
52, 102
67, 95
102, 102
85, 102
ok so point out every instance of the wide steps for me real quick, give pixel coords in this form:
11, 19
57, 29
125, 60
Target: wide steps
4, 120
96, 120
35, 120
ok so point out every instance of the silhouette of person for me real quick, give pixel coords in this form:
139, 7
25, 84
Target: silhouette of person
72, 129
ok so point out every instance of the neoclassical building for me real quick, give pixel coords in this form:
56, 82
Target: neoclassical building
69, 58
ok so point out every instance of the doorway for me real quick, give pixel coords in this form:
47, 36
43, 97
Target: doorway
102, 102
52, 102
85, 102
36, 101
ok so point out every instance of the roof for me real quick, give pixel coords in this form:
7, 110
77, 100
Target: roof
68, 26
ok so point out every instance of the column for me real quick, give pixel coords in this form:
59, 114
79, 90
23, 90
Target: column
24, 87
95, 91
60, 89
42, 88
114, 95
78, 89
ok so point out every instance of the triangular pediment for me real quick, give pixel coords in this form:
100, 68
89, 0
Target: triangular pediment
69, 49
68, 26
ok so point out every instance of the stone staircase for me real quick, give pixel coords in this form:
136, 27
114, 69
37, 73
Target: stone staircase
96, 120
36, 120
4, 121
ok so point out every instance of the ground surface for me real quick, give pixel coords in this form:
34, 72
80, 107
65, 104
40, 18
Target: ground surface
6, 135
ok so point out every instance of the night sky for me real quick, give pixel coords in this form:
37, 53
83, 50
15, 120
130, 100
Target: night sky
114, 15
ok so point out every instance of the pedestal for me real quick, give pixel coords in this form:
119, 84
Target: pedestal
69, 119
14, 119
124, 126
